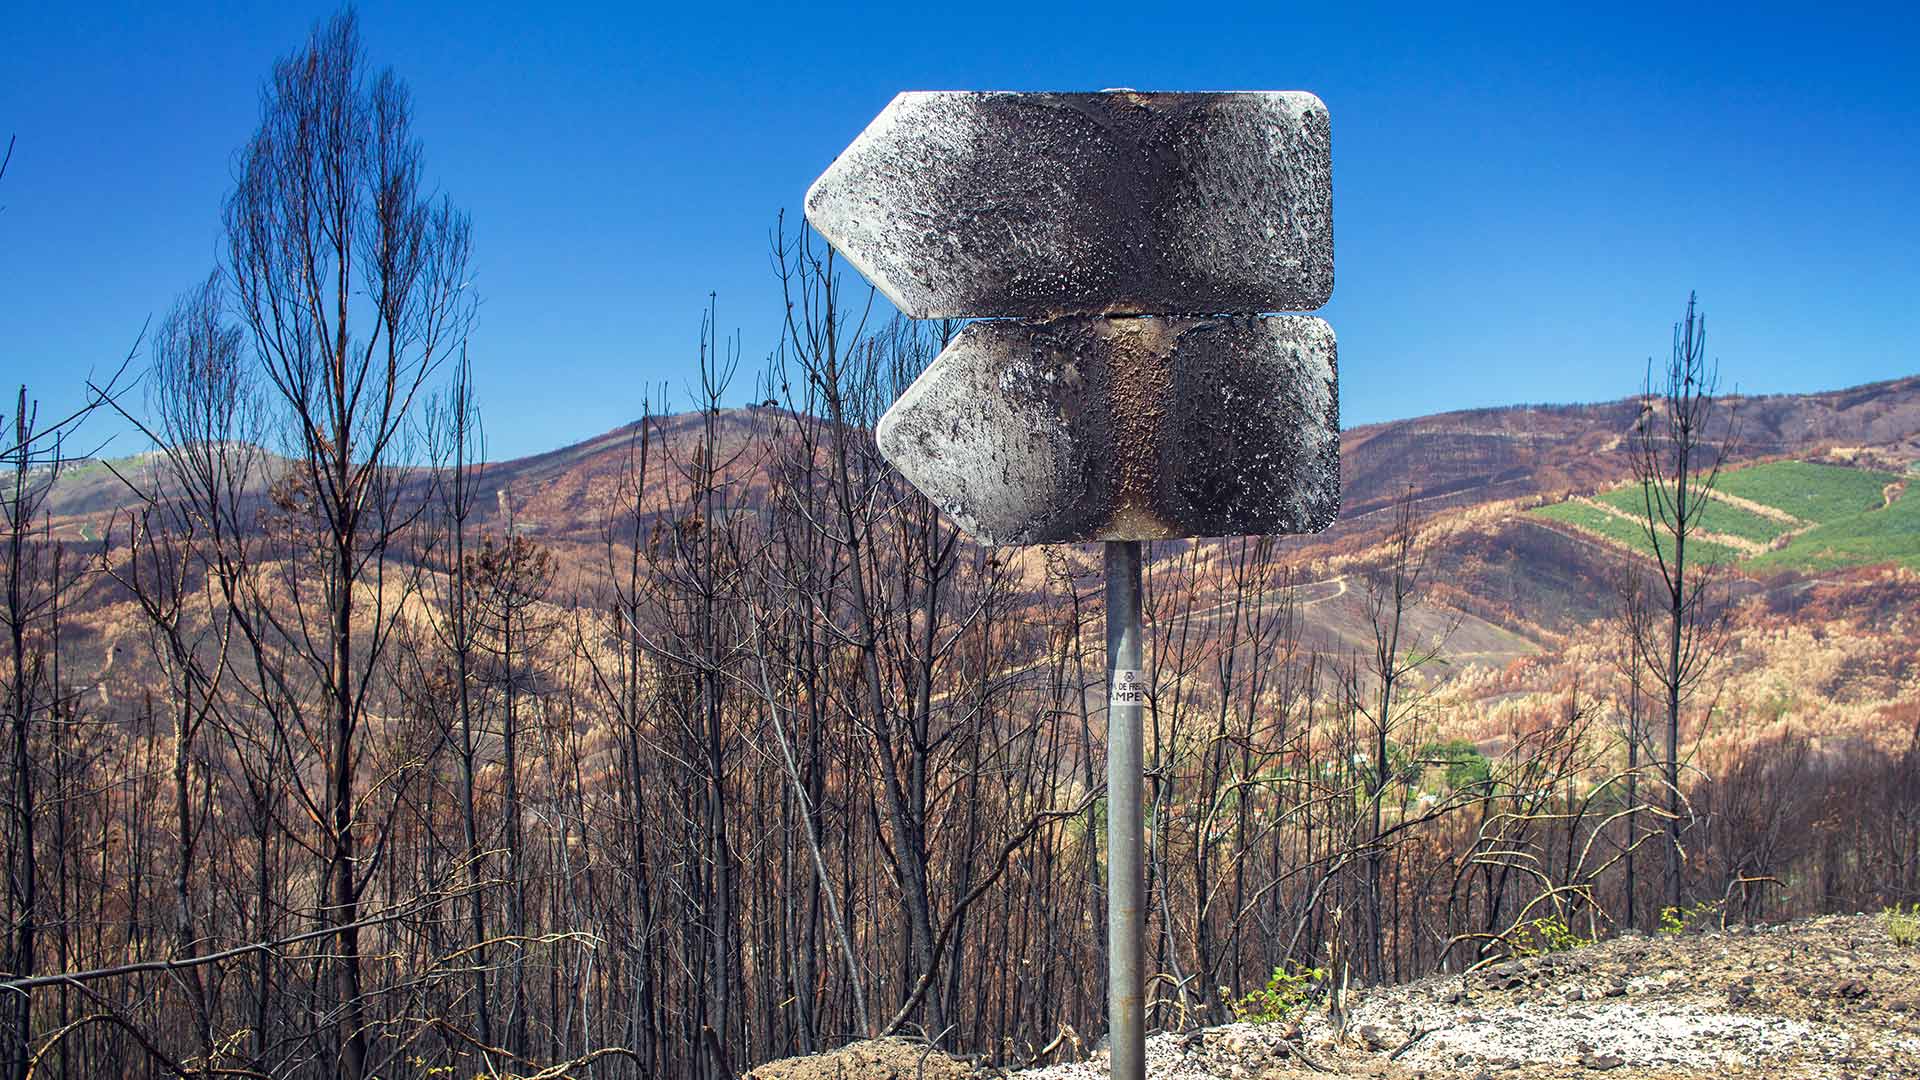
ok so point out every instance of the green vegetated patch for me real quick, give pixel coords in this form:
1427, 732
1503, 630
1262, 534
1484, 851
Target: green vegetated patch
1903, 925
1883, 535
1629, 532
1679, 920
1850, 525
1808, 491
1287, 992
1549, 934
1465, 766
1716, 517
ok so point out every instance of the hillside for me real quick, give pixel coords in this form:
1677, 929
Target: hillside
1481, 456
1522, 598
1448, 460
1524, 504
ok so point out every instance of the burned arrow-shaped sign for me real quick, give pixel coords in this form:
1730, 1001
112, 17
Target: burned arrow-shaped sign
958, 205
1069, 210
1126, 428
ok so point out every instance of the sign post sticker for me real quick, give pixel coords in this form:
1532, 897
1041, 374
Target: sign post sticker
1129, 687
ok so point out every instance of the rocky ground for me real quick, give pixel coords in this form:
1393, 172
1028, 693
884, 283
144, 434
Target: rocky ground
1830, 998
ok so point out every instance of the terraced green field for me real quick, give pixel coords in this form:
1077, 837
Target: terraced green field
1876, 536
1810, 492
1851, 525
1718, 517
1622, 531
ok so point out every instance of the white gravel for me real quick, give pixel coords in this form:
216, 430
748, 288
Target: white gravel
1460, 1039
1831, 998
1637, 1034
1206, 1055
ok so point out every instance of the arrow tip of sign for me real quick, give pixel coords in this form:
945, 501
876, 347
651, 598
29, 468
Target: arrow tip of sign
826, 211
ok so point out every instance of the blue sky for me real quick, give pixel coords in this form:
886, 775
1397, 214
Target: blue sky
1523, 195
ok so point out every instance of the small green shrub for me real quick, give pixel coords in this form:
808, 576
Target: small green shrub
1466, 766
1285, 994
1903, 925
1549, 934
1674, 920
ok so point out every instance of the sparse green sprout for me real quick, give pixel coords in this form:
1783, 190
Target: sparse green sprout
1286, 993
1674, 920
1549, 934
1903, 924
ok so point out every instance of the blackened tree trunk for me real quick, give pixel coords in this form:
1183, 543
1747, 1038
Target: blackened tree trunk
351, 285
1684, 434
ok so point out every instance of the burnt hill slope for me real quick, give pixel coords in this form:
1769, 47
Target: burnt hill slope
1515, 584
1449, 460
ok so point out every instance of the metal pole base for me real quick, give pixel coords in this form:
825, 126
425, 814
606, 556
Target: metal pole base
1126, 880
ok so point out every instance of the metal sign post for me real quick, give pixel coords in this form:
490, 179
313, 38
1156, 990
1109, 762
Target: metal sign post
1126, 817
1090, 408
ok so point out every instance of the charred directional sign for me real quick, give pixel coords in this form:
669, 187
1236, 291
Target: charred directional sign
1132, 387
958, 205
1126, 428
1195, 211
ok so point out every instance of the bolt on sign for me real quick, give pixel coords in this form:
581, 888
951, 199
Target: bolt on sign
1130, 249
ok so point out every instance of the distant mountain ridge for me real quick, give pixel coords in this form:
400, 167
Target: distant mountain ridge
1484, 455
1449, 461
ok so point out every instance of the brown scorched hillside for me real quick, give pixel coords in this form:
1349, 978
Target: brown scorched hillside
1512, 585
